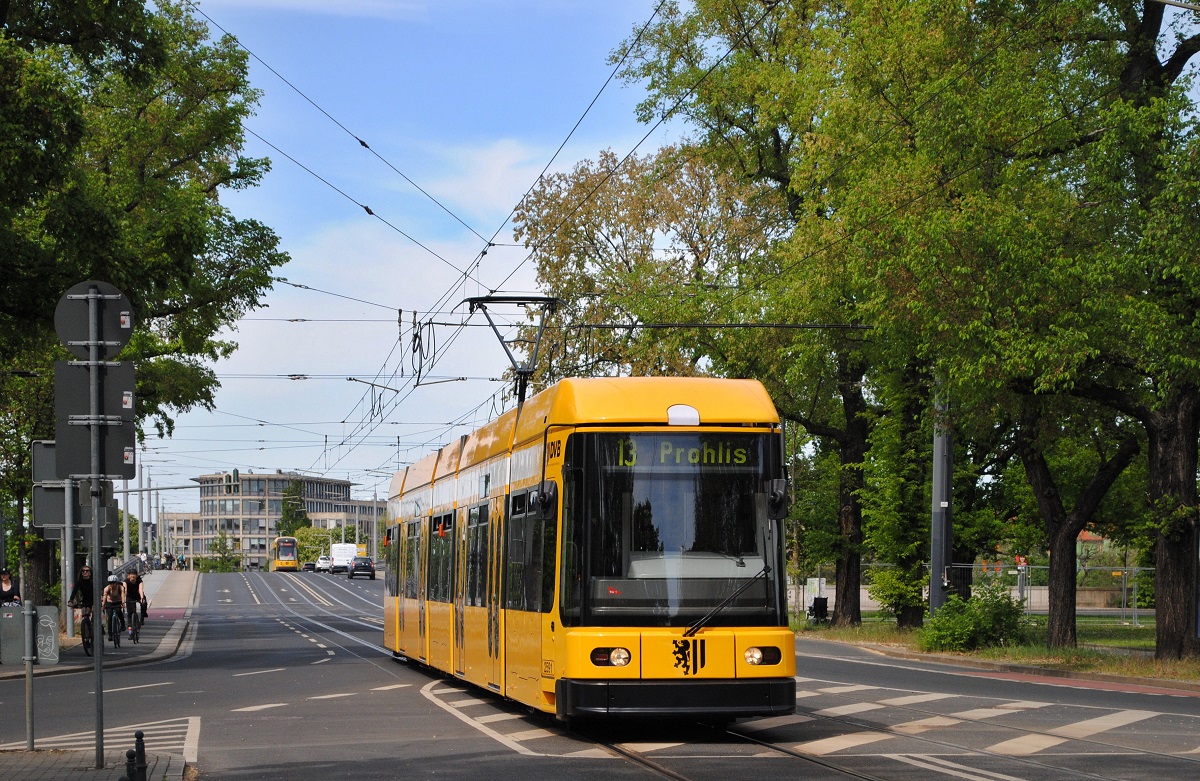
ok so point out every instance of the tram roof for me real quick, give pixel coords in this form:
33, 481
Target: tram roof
580, 401
646, 400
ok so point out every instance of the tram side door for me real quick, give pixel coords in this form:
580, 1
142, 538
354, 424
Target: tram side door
422, 587
461, 561
495, 558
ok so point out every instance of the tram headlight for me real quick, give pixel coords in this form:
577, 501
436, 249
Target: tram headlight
610, 657
764, 655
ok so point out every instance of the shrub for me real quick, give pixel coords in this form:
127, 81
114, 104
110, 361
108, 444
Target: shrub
894, 590
990, 618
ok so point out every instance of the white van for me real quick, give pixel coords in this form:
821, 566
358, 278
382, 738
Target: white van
341, 553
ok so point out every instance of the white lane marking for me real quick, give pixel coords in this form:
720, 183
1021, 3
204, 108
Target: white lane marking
393, 686
531, 734
321, 661
260, 672
428, 693
954, 769
142, 686
467, 703
253, 708
332, 696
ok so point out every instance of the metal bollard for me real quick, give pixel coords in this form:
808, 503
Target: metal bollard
139, 743
130, 765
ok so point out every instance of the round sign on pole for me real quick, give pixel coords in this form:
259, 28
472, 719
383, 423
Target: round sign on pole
71, 321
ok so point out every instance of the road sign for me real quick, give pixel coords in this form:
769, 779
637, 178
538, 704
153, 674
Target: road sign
73, 438
72, 319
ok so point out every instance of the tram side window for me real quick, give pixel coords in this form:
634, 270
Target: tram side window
531, 544
441, 558
412, 551
477, 555
392, 580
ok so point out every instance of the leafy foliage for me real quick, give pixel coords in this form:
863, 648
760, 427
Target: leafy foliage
991, 617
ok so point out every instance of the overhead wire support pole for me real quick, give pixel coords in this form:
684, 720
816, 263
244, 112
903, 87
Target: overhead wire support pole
548, 304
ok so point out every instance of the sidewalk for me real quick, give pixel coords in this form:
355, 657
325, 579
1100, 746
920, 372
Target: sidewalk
170, 597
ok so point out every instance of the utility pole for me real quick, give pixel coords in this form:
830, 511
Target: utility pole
941, 553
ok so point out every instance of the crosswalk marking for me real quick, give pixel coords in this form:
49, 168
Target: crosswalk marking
646, 748
914, 699
858, 687
498, 717
171, 736
771, 723
1031, 744
847, 710
921, 725
840, 743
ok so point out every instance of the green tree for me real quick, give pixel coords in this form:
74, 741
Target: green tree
121, 128
224, 555
294, 515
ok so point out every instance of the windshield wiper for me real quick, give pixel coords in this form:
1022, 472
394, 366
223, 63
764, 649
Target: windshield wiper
696, 627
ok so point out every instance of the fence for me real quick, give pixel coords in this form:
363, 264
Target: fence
1116, 593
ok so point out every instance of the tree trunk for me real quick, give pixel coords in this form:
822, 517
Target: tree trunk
1063, 597
853, 444
1173, 433
910, 617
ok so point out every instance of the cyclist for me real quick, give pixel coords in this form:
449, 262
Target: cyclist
83, 598
135, 597
114, 604
10, 592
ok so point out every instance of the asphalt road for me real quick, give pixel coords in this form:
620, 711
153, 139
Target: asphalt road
283, 676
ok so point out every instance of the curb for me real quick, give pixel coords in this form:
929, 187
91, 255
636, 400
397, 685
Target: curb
166, 648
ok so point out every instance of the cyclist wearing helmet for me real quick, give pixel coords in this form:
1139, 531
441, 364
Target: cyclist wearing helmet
114, 601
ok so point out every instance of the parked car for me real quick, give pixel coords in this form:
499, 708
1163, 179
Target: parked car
324, 564
361, 565
309, 566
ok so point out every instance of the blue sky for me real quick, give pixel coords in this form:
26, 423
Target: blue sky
467, 98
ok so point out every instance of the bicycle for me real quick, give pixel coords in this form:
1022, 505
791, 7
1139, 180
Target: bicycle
133, 617
85, 627
115, 620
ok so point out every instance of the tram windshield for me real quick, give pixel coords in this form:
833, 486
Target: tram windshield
659, 528
286, 549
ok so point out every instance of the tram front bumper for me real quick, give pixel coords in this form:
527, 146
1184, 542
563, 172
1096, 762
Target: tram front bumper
685, 699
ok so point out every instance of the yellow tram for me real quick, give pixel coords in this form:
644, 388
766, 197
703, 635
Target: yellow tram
613, 547
285, 555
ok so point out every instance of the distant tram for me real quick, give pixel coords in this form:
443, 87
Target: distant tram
285, 555
611, 548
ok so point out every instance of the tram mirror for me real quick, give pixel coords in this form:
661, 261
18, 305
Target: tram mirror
777, 499
546, 499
